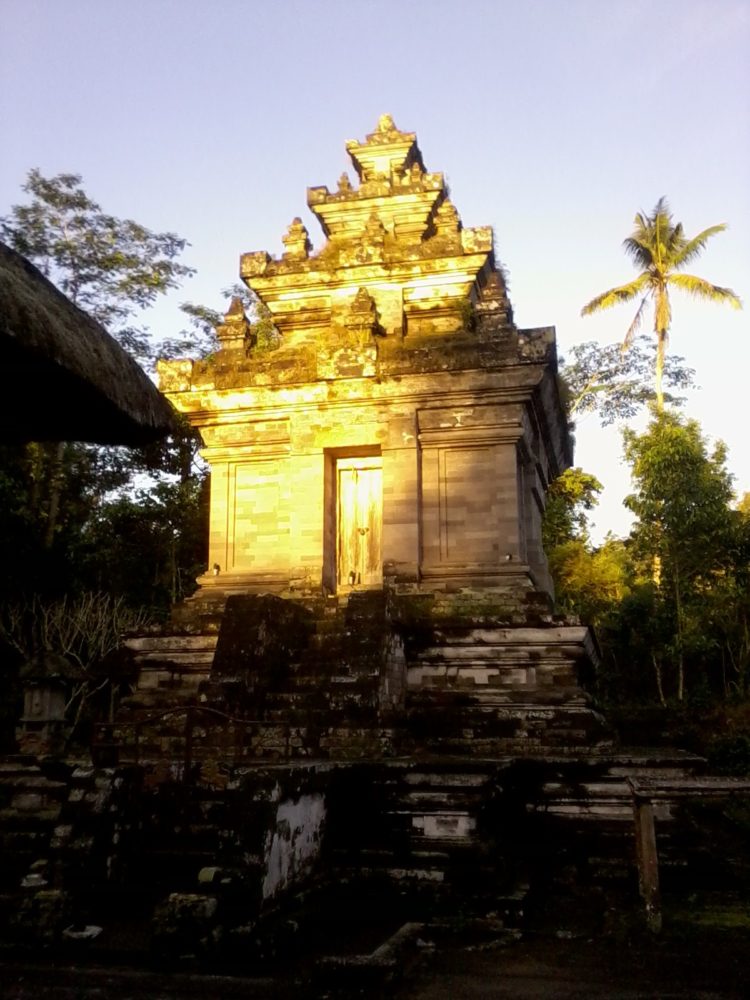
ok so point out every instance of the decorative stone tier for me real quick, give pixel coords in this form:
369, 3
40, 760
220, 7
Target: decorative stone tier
364, 676
396, 426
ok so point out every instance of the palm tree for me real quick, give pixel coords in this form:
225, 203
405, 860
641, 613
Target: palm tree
659, 249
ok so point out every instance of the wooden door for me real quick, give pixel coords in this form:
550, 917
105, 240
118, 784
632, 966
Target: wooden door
359, 515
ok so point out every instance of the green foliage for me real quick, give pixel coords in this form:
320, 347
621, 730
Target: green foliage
682, 629
569, 499
199, 341
671, 604
615, 384
149, 545
61, 525
112, 268
682, 499
589, 582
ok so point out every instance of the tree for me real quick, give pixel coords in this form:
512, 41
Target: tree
615, 384
199, 339
114, 269
570, 497
660, 250
86, 630
111, 268
682, 501
587, 579
148, 545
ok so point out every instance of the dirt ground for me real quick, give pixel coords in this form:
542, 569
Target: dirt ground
566, 953
705, 966
582, 970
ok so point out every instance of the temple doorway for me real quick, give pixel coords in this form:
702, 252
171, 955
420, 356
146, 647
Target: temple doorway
359, 518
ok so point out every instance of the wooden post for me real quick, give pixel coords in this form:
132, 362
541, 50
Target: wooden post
648, 861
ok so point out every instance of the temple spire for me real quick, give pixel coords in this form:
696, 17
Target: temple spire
385, 152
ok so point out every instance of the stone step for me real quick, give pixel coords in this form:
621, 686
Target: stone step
303, 681
488, 652
561, 639
504, 718
471, 689
522, 744
448, 799
478, 698
152, 679
447, 779
179, 660
151, 644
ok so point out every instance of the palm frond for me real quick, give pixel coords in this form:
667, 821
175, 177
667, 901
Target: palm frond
703, 289
639, 250
661, 226
675, 242
614, 296
635, 325
694, 247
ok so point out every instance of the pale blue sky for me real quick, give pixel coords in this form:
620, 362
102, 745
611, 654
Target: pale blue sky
554, 122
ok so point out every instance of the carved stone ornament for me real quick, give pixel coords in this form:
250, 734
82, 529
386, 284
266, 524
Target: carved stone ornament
362, 316
235, 330
374, 229
296, 240
447, 221
386, 127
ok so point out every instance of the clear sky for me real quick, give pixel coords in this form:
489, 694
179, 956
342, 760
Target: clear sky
553, 120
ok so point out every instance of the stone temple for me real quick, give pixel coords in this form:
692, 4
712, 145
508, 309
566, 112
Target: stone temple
368, 717
380, 447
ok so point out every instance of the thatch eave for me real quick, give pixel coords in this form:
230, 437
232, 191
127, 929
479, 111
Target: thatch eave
62, 376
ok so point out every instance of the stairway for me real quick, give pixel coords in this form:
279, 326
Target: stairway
580, 810
436, 830
282, 680
329, 702
31, 802
492, 691
171, 667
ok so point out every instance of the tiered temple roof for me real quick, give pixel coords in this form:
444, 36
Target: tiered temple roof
396, 235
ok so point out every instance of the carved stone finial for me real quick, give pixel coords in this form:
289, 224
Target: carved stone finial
363, 302
384, 152
374, 228
296, 240
345, 185
493, 311
236, 309
235, 329
447, 221
361, 318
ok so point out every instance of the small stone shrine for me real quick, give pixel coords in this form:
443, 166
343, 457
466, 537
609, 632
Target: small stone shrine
368, 713
387, 428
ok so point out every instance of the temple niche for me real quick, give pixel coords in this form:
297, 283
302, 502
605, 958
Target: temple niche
400, 431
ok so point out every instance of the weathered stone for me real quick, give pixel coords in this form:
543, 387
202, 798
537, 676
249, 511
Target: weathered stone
456, 408
396, 442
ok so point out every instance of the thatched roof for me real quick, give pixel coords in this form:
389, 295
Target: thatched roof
62, 376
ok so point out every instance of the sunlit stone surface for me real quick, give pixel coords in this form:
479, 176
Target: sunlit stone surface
396, 428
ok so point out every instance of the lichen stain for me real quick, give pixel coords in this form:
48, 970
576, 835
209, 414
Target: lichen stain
294, 842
